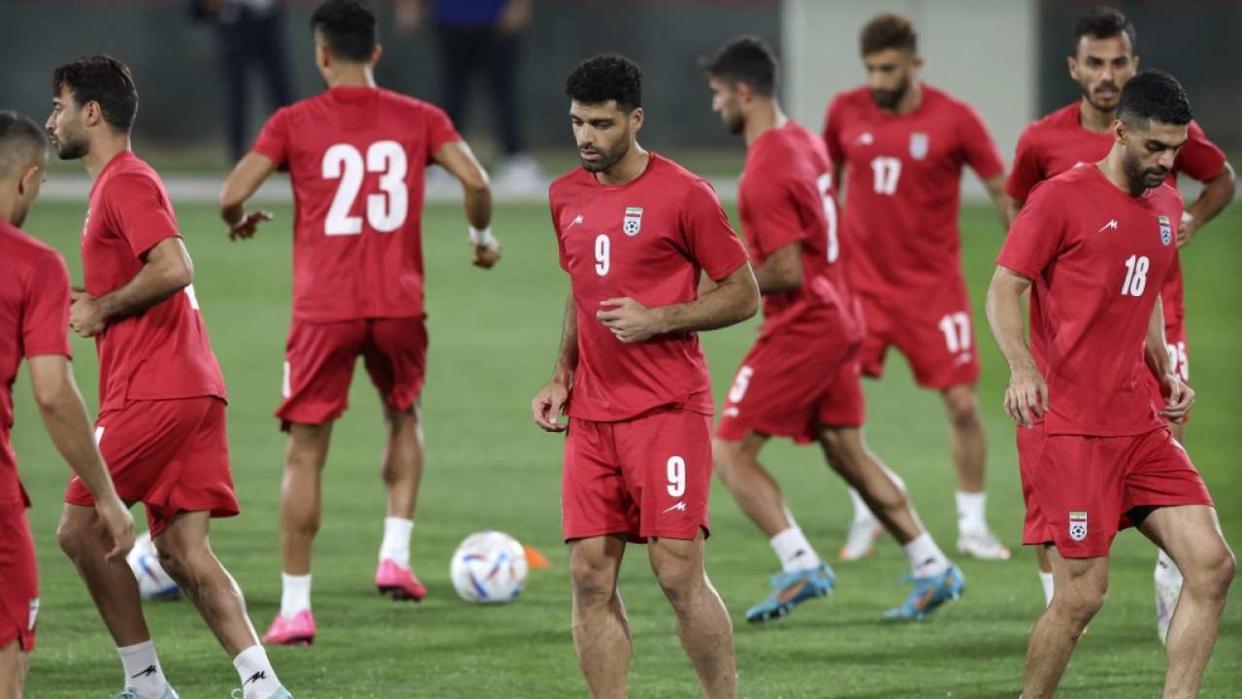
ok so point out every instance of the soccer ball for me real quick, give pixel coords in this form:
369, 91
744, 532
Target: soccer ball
489, 567
153, 582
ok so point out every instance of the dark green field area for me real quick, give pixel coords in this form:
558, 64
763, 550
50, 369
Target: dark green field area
488, 467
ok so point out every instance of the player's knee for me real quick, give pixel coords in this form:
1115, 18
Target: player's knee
1080, 602
75, 536
963, 408
678, 577
593, 581
1212, 577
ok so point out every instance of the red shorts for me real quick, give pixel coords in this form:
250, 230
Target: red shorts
792, 383
936, 335
320, 359
19, 580
170, 455
648, 476
1079, 491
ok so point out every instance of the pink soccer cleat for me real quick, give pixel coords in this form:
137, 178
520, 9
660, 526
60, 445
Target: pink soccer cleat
394, 579
298, 630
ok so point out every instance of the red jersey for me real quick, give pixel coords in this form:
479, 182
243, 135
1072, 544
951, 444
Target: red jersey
648, 239
903, 187
356, 157
34, 321
785, 196
1097, 258
162, 352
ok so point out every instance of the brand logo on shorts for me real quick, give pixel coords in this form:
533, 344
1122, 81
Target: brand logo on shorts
680, 507
34, 614
633, 221
919, 143
1166, 230
1078, 526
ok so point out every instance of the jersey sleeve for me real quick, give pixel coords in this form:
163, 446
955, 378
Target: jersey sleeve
273, 140
775, 222
978, 149
1026, 172
440, 130
139, 211
1200, 158
710, 240
1035, 236
45, 312
554, 210
832, 131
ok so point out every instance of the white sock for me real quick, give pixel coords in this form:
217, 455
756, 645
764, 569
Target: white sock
143, 674
294, 594
1166, 569
1045, 579
257, 676
970, 508
861, 512
926, 558
396, 544
794, 550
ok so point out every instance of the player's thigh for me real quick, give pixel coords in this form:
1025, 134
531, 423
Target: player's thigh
594, 498
666, 462
938, 338
1081, 581
396, 360
677, 562
319, 365
1191, 535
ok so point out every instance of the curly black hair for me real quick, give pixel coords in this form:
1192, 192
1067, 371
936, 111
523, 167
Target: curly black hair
1103, 23
104, 80
1154, 95
607, 77
347, 28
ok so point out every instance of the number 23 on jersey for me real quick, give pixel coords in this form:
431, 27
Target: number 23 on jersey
385, 211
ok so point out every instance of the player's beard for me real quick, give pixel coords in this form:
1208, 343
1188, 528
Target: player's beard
607, 158
889, 99
1149, 177
1089, 92
72, 147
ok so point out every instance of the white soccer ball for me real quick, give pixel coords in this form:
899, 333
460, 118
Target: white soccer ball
489, 567
153, 582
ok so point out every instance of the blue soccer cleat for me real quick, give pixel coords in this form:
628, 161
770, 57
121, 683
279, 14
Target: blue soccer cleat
928, 594
791, 589
129, 693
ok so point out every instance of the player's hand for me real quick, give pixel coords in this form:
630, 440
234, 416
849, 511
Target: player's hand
1178, 398
85, 314
629, 320
486, 256
1187, 228
548, 406
1026, 397
120, 526
249, 224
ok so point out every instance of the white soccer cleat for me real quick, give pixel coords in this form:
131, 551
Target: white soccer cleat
982, 545
860, 542
1168, 588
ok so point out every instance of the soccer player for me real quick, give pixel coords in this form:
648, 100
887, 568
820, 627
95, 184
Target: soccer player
801, 379
634, 232
161, 426
1104, 59
1093, 246
34, 315
903, 144
356, 156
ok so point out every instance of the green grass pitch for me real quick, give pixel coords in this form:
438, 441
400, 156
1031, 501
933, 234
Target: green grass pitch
493, 336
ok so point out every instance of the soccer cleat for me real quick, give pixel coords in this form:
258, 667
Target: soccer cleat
129, 693
298, 630
982, 545
791, 589
281, 693
398, 581
1168, 588
860, 542
929, 593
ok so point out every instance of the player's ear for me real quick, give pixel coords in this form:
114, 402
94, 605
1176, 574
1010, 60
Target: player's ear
27, 181
1119, 130
92, 114
1136, 63
636, 119
917, 62
376, 53
1071, 63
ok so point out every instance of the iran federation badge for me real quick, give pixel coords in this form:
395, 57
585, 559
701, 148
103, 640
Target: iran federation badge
633, 222
1166, 230
919, 143
1078, 526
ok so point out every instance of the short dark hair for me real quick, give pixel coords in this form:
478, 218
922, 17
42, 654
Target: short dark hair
1154, 95
1103, 23
104, 80
347, 28
746, 59
888, 31
20, 140
607, 76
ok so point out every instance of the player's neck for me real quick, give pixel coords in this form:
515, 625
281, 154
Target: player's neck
1095, 120
353, 76
1115, 173
8, 207
764, 117
910, 101
625, 170
102, 151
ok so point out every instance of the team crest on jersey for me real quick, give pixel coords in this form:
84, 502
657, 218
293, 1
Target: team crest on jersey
919, 143
1166, 230
1078, 526
633, 222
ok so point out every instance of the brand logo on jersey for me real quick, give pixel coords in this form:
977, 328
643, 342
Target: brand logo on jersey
1166, 230
1078, 525
919, 143
865, 139
1112, 224
633, 222
577, 219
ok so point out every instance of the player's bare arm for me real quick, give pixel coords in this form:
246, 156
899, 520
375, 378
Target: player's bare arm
64, 415
1216, 195
549, 403
166, 270
459, 160
1026, 397
1005, 208
735, 298
1179, 397
781, 271
241, 184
